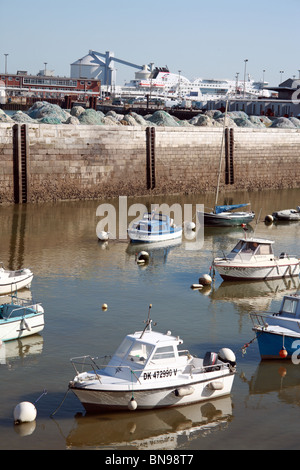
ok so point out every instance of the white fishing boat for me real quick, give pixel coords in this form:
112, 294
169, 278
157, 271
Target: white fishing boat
154, 227
150, 370
20, 318
288, 215
253, 259
10, 281
278, 333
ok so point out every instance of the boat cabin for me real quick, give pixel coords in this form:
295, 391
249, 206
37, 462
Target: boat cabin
247, 247
149, 350
154, 222
290, 306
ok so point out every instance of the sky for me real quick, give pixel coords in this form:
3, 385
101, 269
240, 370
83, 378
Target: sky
201, 38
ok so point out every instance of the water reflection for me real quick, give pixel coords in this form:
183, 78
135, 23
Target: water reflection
25, 349
255, 295
276, 377
151, 430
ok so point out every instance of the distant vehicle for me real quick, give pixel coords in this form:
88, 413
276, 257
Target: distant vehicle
118, 103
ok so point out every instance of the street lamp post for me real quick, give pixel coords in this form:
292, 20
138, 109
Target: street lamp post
6, 62
246, 60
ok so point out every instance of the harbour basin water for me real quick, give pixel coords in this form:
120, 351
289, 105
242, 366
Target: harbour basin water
75, 274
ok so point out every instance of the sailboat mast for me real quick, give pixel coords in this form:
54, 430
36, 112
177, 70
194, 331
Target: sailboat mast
221, 153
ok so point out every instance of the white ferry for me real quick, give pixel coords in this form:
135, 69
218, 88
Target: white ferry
161, 83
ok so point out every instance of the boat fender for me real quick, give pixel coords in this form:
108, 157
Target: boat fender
226, 355
132, 404
24, 412
184, 391
216, 385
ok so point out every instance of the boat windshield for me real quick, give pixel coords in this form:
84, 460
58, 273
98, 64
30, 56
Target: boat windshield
135, 351
252, 247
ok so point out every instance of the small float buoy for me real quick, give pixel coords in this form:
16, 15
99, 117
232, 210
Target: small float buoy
283, 353
205, 280
104, 306
189, 225
24, 412
103, 236
142, 257
196, 286
269, 219
132, 404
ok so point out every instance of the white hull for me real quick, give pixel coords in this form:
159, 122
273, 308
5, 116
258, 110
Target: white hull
20, 327
264, 270
139, 236
149, 398
10, 281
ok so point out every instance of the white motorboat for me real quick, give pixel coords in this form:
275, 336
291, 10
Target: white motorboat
20, 318
150, 370
253, 259
288, 214
278, 333
10, 281
154, 227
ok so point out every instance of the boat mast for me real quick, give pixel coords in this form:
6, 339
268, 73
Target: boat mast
221, 153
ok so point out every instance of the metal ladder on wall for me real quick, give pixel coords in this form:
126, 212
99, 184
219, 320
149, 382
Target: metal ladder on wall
20, 166
150, 166
229, 153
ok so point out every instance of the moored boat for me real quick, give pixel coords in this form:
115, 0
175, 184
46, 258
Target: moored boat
150, 370
253, 259
278, 334
10, 281
288, 215
20, 318
154, 227
224, 216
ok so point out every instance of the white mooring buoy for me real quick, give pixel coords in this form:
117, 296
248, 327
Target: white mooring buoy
206, 280
24, 412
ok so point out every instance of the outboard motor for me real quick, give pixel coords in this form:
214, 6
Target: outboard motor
283, 255
227, 356
210, 361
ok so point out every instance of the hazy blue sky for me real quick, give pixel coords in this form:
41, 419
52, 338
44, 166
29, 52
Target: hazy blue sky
202, 38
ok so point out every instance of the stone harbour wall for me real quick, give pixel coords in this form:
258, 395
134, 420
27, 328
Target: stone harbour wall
40, 162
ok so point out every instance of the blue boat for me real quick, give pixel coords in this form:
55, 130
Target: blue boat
154, 227
278, 334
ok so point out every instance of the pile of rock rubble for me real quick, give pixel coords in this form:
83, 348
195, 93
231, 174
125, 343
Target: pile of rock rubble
46, 113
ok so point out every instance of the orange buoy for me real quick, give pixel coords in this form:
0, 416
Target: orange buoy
283, 353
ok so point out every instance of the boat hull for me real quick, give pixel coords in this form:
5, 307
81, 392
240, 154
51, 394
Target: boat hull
225, 219
150, 398
276, 270
20, 327
271, 343
13, 283
137, 236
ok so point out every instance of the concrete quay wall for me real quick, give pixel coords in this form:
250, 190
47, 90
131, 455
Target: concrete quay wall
71, 162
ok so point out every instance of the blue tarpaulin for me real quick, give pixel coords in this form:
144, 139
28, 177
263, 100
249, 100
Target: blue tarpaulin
219, 209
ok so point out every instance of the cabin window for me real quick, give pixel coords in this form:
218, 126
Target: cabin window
166, 352
290, 306
264, 250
